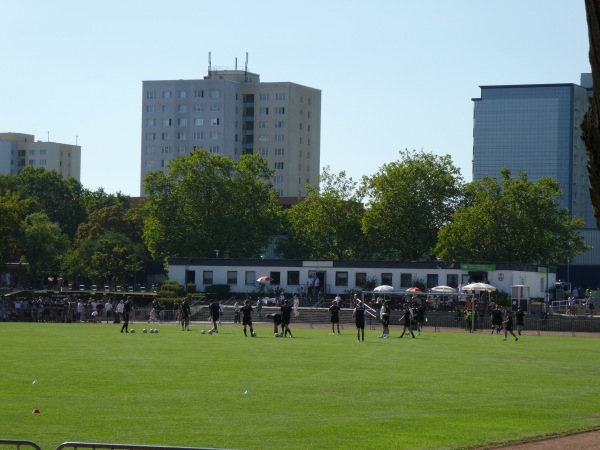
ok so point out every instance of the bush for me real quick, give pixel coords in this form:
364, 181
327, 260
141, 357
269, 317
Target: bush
170, 289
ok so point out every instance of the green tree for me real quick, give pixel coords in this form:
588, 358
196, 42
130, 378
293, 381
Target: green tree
115, 218
13, 211
327, 224
43, 244
410, 201
207, 203
98, 199
512, 220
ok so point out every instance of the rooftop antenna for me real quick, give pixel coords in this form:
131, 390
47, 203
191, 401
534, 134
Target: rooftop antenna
76, 138
246, 69
236, 63
209, 65
48, 136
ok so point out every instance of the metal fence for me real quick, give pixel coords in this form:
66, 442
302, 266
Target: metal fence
19, 444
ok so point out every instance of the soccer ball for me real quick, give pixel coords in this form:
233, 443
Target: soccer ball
144, 331
210, 331
253, 334
152, 330
203, 331
132, 331
156, 330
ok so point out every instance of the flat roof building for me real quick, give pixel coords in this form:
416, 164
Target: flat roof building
231, 112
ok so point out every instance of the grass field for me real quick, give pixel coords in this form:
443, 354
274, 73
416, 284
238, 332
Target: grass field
316, 390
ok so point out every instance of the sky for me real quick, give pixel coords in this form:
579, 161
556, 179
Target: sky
394, 74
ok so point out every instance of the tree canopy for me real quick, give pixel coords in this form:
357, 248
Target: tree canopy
512, 220
207, 203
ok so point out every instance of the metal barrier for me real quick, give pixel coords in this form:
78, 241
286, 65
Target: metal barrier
94, 446
19, 443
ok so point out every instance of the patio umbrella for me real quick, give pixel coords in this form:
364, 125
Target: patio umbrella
479, 287
414, 289
384, 288
264, 279
443, 289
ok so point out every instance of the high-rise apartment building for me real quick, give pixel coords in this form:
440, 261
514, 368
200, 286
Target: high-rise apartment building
231, 112
536, 129
19, 150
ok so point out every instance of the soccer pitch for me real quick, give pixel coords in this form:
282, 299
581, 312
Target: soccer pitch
441, 390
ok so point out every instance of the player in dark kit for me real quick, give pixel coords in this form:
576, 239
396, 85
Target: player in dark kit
508, 324
276, 322
126, 312
214, 311
407, 320
496, 320
185, 315
520, 315
286, 317
247, 317
334, 314
359, 319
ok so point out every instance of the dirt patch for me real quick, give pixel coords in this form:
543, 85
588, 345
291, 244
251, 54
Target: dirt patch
589, 440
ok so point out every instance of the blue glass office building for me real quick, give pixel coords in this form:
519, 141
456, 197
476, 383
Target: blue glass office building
536, 129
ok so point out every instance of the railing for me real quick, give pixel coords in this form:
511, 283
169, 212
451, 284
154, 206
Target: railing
18, 444
91, 445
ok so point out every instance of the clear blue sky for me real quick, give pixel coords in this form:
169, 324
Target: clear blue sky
394, 74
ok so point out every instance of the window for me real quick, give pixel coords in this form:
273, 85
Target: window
198, 94
182, 94
452, 280
361, 279
198, 122
341, 278
293, 278
432, 280
150, 94
264, 152
150, 108
207, 277
214, 121
165, 136
405, 280
386, 278
263, 138
197, 135
198, 108
182, 122
214, 135
215, 93
181, 150
262, 124
181, 136
150, 150
232, 277
263, 111
182, 108
165, 149
280, 97
166, 94
278, 179
213, 149
150, 122
280, 124
279, 152
42, 151
42, 162
264, 97
279, 166
280, 110
250, 277
215, 107
167, 122
279, 138
32, 162
150, 136
32, 151
276, 277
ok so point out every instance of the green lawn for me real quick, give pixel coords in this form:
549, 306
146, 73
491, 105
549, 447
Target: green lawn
316, 390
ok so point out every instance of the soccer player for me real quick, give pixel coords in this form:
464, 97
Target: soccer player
520, 315
276, 322
508, 324
496, 320
334, 316
214, 310
421, 315
185, 314
359, 319
384, 314
247, 317
407, 320
286, 317
126, 312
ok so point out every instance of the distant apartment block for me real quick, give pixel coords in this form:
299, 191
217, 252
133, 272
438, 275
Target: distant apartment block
19, 150
230, 112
